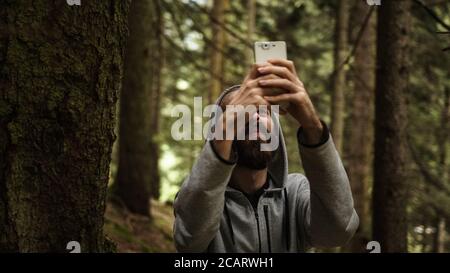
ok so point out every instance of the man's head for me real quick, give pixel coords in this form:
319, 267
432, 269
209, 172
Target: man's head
250, 154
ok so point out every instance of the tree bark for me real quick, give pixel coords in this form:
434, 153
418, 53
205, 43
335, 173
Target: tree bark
361, 123
251, 13
158, 83
135, 141
217, 57
390, 186
60, 71
440, 236
339, 77
443, 135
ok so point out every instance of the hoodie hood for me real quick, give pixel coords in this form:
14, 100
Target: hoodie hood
278, 168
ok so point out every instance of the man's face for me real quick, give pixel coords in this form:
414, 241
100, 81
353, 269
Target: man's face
249, 150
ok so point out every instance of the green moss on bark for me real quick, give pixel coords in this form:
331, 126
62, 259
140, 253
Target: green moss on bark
60, 71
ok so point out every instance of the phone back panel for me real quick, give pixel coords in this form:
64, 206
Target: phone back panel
265, 51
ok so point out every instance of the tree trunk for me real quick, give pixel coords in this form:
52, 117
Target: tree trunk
217, 58
135, 140
361, 123
338, 99
251, 11
443, 135
440, 236
390, 187
156, 98
60, 71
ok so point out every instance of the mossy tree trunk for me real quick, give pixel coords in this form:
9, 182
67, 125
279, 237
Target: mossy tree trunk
135, 130
390, 180
60, 71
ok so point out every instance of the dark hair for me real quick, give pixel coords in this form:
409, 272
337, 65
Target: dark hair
226, 100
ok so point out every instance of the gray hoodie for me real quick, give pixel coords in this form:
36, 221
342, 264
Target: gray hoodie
295, 212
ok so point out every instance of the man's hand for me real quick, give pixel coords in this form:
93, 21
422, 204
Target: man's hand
250, 93
300, 105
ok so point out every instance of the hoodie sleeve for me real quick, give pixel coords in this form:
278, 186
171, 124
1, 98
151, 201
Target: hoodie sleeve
199, 204
326, 206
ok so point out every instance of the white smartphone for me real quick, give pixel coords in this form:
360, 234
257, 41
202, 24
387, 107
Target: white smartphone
265, 51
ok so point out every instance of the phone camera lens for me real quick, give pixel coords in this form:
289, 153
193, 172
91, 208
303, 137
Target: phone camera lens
266, 46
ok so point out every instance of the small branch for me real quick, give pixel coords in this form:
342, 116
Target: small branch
357, 42
425, 170
432, 14
207, 40
447, 33
215, 21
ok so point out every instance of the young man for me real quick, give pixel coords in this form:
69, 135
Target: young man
239, 198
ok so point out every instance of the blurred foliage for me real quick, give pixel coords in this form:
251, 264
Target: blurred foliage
430, 78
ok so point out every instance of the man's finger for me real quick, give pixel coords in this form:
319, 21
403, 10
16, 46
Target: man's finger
286, 63
286, 97
268, 92
255, 82
268, 77
280, 71
279, 83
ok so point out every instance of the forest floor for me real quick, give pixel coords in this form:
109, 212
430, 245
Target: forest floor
134, 233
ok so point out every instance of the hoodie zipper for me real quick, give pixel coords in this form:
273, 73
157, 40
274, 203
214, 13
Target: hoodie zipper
266, 218
255, 211
259, 232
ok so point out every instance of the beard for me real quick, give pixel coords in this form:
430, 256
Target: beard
250, 154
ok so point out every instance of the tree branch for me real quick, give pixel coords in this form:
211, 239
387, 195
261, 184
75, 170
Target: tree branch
425, 170
195, 26
215, 21
357, 42
432, 14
